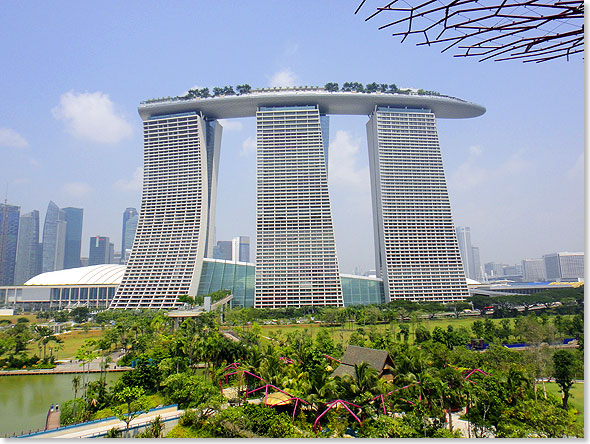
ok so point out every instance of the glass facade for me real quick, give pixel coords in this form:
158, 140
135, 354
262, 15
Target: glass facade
9, 221
239, 278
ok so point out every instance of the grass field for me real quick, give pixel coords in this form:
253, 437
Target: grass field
73, 340
335, 332
576, 399
31, 317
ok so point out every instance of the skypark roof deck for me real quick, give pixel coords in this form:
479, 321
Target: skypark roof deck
344, 103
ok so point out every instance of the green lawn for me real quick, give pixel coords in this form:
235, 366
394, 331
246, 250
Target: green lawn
347, 331
576, 399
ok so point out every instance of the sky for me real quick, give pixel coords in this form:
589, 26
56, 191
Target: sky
74, 73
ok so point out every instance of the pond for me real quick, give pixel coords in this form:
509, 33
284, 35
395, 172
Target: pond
25, 399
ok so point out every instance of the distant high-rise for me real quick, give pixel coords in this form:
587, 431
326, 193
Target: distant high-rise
416, 251
9, 221
466, 250
130, 218
241, 249
564, 265
28, 252
101, 251
223, 250
478, 276
534, 270
54, 238
73, 217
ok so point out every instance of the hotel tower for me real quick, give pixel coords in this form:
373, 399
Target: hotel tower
416, 252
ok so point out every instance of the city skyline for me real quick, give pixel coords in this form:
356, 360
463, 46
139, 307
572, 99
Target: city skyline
515, 177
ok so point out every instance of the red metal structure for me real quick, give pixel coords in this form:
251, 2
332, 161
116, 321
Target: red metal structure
333, 404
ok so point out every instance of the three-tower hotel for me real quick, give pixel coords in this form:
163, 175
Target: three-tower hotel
416, 251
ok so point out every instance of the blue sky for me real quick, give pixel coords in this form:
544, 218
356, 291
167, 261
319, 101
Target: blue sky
73, 74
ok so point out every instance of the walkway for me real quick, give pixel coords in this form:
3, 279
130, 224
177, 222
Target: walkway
74, 366
94, 429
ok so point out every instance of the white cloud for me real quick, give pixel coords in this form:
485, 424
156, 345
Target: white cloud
135, 183
248, 146
470, 174
11, 139
343, 161
76, 189
231, 124
286, 77
92, 117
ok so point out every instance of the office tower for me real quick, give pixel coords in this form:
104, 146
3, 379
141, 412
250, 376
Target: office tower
130, 218
73, 245
492, 269
241, 249
54, 238
223, 250
101, 251
533, 270
467, 252
296, 262
476, 264
176, 219
28, 251
9, 221
564, 266
415, 241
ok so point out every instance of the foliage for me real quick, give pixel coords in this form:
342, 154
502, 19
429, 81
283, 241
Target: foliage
191, 391
72, 411
564, 371
154, 430
135, 402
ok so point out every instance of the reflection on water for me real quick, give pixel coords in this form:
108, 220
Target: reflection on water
25, 399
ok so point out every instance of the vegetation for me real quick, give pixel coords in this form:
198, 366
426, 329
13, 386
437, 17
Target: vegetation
204, 93
429, 379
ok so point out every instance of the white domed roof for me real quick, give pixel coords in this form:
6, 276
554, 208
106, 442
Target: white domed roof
472, 282
93, 275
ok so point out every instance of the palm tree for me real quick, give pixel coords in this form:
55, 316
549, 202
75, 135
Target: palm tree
44, 335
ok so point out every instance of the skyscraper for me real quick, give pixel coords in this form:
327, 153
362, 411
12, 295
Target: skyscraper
130, 218
296, 260
223, 250
478, 276
54, 238
28, 252
469, 254
176, 218
101, 250
73, 244
9, 221
415, 242
241, 249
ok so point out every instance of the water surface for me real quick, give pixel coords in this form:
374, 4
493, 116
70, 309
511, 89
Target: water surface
25, 399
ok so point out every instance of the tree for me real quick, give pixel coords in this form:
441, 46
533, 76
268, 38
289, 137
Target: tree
331, 87
371, 87
80, 314
244, 89
45, 335
154, 430
564, 370
135, 401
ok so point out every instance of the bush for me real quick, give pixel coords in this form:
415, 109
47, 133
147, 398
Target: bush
72, 411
